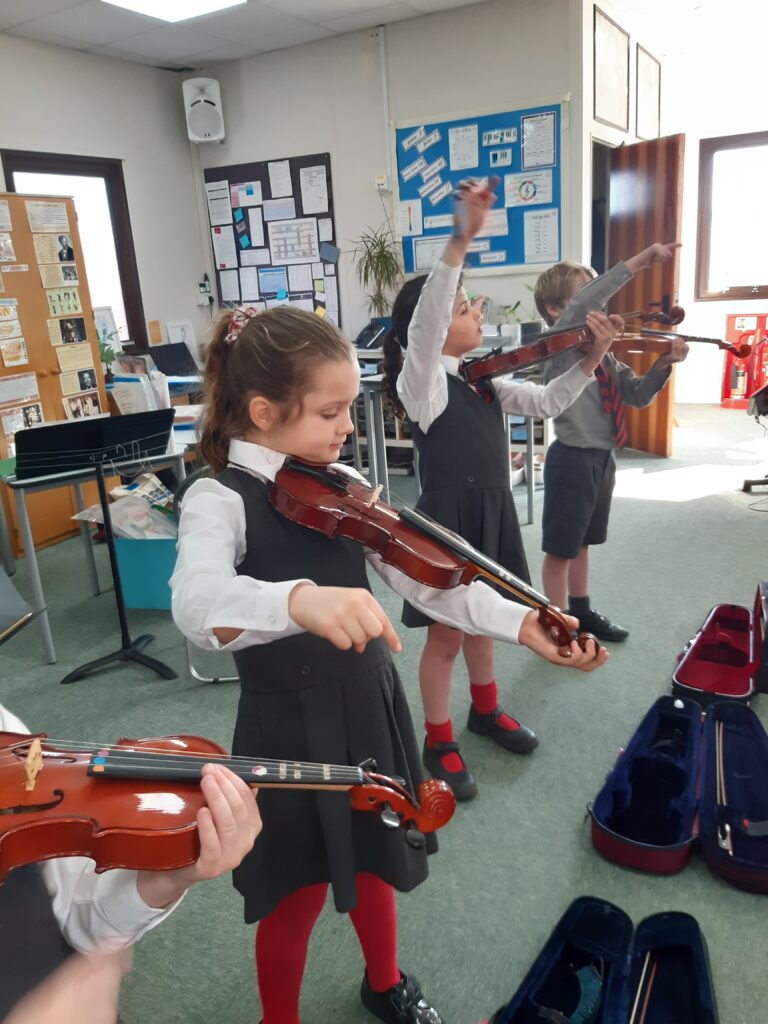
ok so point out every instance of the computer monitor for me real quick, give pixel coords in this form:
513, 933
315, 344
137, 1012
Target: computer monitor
174, 360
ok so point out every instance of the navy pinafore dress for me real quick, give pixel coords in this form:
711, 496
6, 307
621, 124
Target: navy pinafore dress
464, 472
303, 699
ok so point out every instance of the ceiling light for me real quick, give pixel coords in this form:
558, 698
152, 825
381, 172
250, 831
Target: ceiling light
175, 10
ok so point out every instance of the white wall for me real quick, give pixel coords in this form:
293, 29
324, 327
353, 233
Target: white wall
327, 96
61, 101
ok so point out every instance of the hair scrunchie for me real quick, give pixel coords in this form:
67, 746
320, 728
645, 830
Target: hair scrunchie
237, 322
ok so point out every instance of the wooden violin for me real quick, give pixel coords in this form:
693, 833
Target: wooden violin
547, 345
337, 504
134, 804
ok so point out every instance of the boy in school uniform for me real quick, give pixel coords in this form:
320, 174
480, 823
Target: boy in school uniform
580, 467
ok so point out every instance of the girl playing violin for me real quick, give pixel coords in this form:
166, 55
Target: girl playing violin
312, 647
464, 466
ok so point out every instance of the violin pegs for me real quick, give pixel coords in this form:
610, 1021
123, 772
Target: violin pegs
368, 765
390, 818
415, 838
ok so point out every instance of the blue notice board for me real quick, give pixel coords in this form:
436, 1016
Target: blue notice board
520, 147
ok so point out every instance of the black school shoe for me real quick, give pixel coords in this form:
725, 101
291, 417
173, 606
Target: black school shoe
601, 626
404, 1003
462, 783
521, 740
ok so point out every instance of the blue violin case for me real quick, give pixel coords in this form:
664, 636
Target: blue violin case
597, 969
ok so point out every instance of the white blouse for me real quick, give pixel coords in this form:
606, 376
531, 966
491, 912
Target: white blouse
423, 383
208, 594
95, 912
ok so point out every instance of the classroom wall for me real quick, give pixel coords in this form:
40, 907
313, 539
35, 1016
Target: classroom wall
328, 96
61, 101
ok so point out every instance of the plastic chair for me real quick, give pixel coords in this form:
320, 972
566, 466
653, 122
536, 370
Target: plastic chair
178, 497
15, 613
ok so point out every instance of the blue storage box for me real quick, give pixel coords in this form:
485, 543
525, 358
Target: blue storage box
145, 567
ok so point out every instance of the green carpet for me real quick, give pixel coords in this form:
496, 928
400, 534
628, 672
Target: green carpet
683, 538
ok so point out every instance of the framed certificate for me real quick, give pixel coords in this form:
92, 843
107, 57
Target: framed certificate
611, 72
648, 111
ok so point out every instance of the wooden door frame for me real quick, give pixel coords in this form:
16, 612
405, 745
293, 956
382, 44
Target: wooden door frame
112, 172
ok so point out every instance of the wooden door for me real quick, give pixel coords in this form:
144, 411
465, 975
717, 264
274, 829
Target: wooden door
646, 205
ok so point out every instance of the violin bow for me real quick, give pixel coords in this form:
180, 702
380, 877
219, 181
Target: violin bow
643, 995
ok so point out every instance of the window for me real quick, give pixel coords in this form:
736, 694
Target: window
103, 222
732, 244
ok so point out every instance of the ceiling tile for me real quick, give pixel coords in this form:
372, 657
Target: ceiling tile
371, 18
89, 24
432, 6
14, 13
295, 37
252, 21
172, 42
115, 53
321, 10
225, 52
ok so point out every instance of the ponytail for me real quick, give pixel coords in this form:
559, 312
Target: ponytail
396, 340
270, 353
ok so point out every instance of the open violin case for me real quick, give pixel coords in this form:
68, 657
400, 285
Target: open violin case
594, 970
726, 659
689, 776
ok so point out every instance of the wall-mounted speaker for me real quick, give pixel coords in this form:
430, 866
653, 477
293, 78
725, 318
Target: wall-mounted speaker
202, 106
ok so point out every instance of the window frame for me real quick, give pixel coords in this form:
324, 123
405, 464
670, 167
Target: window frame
112, 172
707, 150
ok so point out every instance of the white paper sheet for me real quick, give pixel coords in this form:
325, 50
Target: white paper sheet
428, 140
246, 193
496, 223
21, 387
440, 193
219, 207
5, 216
230, 286
279, 209
325, 229
280, 178
538, 146
430, 186
308, 305
249, 283
293, 241
314, 190
540, 232
331, 295
415, 136
47, 216
462, 147
224, 249
532, 188
442, 220
256, 226
255, 257
300, 278
413, 169
434, 168
499, 256
409, 220
427, 251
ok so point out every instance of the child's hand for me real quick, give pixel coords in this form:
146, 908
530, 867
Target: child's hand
471, 204
659, 252
604, 330
227, 827
84, 988
347, 616
678, 350
536, 638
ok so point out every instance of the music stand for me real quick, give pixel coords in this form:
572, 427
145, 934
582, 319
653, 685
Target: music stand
90, 444
758, 406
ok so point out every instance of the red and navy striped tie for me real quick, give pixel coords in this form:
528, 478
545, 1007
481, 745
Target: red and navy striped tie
611, 399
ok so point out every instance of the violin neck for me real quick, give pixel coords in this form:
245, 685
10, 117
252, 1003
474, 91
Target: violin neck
124, 763
489, 569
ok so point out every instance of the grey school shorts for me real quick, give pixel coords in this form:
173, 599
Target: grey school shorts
578, 484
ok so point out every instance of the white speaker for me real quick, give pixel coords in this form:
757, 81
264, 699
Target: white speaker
202, 106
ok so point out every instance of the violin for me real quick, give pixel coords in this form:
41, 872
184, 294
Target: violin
552, 343
335, 503
134, 804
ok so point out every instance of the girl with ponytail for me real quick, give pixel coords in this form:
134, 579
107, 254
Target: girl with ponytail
464, 466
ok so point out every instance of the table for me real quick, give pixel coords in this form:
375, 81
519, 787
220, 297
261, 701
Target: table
76, 478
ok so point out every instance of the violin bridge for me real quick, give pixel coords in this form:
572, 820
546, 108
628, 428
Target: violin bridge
375, 494
33, 763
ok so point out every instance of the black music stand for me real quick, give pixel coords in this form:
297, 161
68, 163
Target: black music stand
758, 406
89, 444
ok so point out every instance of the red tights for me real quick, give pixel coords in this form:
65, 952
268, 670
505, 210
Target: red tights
283, 936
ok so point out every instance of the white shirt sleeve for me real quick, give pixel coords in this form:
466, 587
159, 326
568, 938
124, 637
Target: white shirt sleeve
474, 608
524, 398
94, 911
422, 384
207, 593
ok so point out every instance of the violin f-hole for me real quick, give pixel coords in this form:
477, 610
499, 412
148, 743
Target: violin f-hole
35, 808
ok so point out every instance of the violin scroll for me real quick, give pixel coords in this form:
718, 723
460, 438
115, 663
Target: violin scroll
553, 621
434, 805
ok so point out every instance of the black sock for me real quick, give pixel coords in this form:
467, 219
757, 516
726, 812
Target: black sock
578, 606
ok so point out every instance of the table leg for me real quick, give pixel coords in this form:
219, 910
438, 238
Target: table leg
416, 474
9, 563
370, 439
87, 536
529, 465
381, 445
34, 577
357, 457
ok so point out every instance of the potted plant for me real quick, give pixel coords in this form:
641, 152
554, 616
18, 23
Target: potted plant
107, 354
528, 323
379, 270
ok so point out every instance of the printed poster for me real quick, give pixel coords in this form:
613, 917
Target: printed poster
5, 216
63, 301
47, 216
540, 231
532, 188
78, 407
538, 145
462, 146
314, 190
14, 352
7, 254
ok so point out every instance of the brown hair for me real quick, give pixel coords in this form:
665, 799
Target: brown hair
553, 286
273, 356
